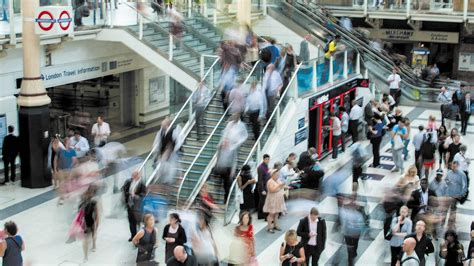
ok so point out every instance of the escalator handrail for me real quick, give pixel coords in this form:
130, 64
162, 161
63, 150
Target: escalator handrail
255, 146
180, 112
195, 191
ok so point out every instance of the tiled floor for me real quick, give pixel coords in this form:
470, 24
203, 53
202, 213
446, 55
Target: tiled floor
44, 226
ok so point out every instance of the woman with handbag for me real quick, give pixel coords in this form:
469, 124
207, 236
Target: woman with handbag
145, 240
173, 234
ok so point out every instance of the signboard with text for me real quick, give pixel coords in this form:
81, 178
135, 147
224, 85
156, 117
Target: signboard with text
415, 35
54, 20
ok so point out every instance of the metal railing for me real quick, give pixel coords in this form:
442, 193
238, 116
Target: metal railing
272, 126
210, 146
185, 114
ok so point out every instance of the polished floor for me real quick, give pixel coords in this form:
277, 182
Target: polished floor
44, 224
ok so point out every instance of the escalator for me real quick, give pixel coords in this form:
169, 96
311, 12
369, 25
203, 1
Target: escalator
379, 65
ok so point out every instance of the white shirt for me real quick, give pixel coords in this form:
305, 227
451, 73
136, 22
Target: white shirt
313, 228
81, 146
272, 82
394, 80
336, 127
463, 162
286, 174
256, 101
424, 200
101, 133
356, 112
345, 122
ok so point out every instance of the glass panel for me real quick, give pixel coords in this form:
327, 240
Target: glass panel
351, 62
338, 66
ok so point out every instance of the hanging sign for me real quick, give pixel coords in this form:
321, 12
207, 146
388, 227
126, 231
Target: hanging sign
54, 20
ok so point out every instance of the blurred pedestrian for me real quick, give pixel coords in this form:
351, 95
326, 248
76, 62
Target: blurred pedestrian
64, 162
256, 108
201, 98
91, 218
304, 49
275, 201
246, 182
80, 144
355, 117
399, 133
263, 173
10, 150
173, 234
236, 101
12, 246
146, 242
451, 250
244, 230
227, 82
456, 189
424, 245
272, 85
428, 150
401, 226
291, 251
353, 222
133, 193
312, 230
376, 130
204, 245
181, 258
451, 114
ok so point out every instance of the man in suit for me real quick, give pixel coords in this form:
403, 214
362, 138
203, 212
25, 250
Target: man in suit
312, 230
420, 200
465, 110
134, 191
10, 150
263, 175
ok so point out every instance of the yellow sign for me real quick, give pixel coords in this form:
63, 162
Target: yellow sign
415, 36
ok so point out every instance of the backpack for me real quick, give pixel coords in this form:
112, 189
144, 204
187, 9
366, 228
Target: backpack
409, 258
266, 55
428, 149
326, 46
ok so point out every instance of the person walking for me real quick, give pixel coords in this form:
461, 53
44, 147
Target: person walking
398, 133
312, 230
442, 135
10, 149
421, 200
394, 81
465, 111
275, 201
424, 245
201, 98
401, 226
336, 133
418, 141
263, 173
146, 242
352, 221
344, 126
355, 116
244, 231
456, 189
445, 99
173, 234
272, 86
245, 182
428, 150
255, 107
236, 101
133, 193
376, 135
291, 251
100, 132
64, 162
329, 51
91, 218
12, 246
451, 114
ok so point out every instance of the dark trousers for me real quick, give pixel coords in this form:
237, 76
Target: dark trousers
253, 117
343, 138
226, 180
271, 103
132, 222
354, 130
261, 202
376, 150
200, 121
335, 141
395, 254
464, 121
312, 252
9, 165
396, 94
418, 161
441, 108
225, 104
325, 77
352, 243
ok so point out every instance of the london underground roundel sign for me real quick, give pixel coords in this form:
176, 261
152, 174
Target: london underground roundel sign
64, 20
45, 20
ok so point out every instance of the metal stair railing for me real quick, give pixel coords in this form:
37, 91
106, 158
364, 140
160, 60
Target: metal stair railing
185, 114
208, 144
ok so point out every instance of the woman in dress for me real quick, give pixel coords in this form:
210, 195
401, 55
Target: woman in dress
401, 226
292, 251
275, 201
12, 246
145, 240
442, 136
173, 234
245, 182
244, 230
451, 250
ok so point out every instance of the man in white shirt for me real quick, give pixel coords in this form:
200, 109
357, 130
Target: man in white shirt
100, 132
344, 126
79, 144
287, 173
464, 162
354, 120
312, 230
394, 81
272, 85
444, 98
255, 107
336, 133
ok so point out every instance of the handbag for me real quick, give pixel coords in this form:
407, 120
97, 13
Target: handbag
240, 196
78, 226
397, 143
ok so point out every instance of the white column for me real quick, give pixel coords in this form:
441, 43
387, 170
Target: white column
11, 20
357, 70
409, 7
466, 3
264, 7
314, 84
244, 9
331, 70
365, 7
202, 66
346, 70
170, 52
140, 27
